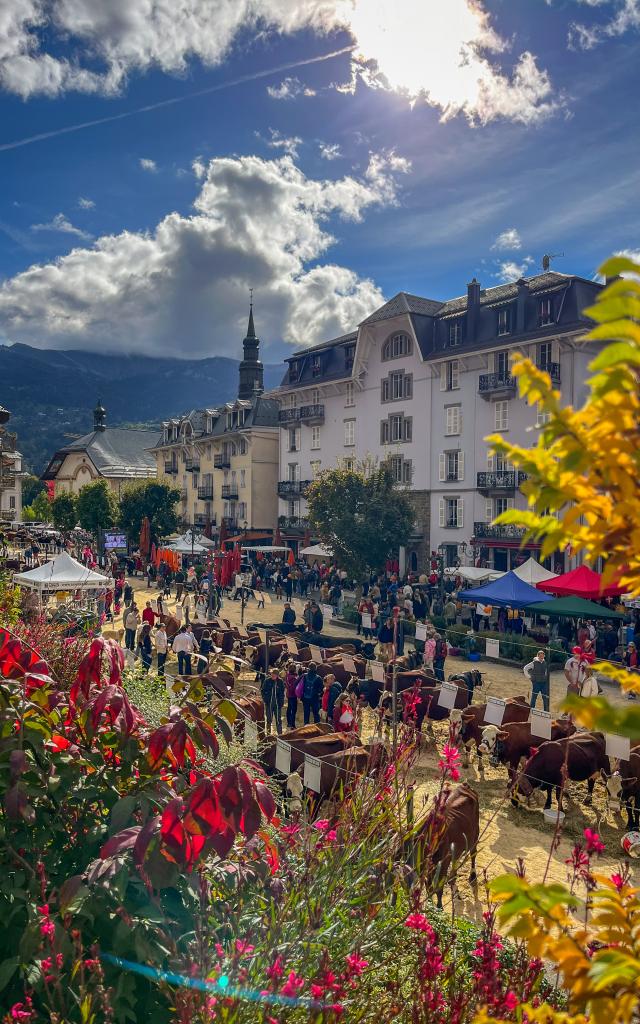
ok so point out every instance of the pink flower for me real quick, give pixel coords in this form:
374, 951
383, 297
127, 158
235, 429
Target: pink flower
43, 910
356, 964
322, 824
618, 881
21, 1011
290, 830
292, 985
219, 950
59, 959
449, 763
276, 970
47, 928
510, 1001
331, 835
243, 947
419, 923
317, 991
594, 842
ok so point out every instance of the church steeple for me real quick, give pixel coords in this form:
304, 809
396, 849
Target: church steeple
251, 369
99, 417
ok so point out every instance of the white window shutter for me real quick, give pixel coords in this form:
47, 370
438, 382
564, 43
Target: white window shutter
443, 376
555, 351
490, 458
455, 373
441, 511
442, 467
460, 465
488, 510
460, 513
510, 502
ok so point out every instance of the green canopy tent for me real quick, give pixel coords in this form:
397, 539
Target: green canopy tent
573, 608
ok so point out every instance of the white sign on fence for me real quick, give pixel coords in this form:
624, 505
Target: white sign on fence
250, 734
447, 695
495, 711
242, 632
618, 746
262, 633
312, 766
492, 648
421, 631
292, 646
327, 611
283, 757
366, 621
316, 653
349, 664
540, 722
377, 671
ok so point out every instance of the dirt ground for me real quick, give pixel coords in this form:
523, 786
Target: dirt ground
507, 833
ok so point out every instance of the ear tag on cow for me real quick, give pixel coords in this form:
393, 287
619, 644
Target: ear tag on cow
250, 734
377, 671
312, 766
421, 631
349, 664
618, 746
292, 646
283, 757
495, 711
447, 695
540, 722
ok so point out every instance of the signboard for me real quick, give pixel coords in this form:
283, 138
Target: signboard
312, 767
316, 653
292, 646
495, 711
242, 632
447, 695
250, 734
366, 621
618, 746
540, 722
327, 611
377, 671
262, 633
349, 664
492, 648
115, 541
283, 757
264, 596
421, 631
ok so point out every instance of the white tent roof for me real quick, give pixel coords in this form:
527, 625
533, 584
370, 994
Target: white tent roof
532, 572
473, 573
317, 551
265, 547
183, 544
61, 573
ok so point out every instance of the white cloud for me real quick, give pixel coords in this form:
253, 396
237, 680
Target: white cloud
288, 144
509, 270
148, 165
329, 151
449, 62
181, 289
288, 89
86, 204
625, 17
62, 224
508, 239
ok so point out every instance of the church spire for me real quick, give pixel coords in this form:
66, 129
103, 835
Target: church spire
251, 369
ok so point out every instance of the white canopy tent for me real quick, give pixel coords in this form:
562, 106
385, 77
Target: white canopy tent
265, 548
60, 574
474, 573
317, 551
532, 572
186, 545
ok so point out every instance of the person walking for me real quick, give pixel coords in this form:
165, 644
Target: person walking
145, 649
148, 614
317, 618
127, 593
291, 680
311, 693
179, 580
184, 646
537, 672
131, 623
450, 613
162, 647
272, 693
440, 652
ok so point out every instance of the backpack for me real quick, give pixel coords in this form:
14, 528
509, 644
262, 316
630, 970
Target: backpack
440, 649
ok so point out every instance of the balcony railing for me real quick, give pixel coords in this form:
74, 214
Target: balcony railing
171, 467
229, 490
312, 413
295, 487
491, 532
184, 493
230, 522
286, 416
205, 492
293, 523
221, 461
553, 369
496, 481
493, 383
192, 465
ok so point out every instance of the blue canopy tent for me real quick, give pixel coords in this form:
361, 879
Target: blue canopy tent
509, 591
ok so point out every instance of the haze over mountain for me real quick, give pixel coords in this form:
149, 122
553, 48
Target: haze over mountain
51, 394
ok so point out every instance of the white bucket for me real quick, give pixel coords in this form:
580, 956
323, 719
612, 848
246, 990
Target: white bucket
553, 815
631, 844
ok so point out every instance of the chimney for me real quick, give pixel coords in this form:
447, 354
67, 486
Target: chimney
523, 291
473, 308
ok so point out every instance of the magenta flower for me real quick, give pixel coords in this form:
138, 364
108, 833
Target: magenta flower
292, 986
594, 842
618, 881
419, 923
449, 763
276, 970
356, 964
244, 948
322, 824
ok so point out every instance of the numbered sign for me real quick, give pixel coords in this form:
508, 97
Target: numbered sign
618, 746
421, 631
492, 648
242, 632
366, 621
250, 734
349, 664
312, 766
327, 611
447, 695
283, 757
377, 671
540, 722
292, 646
316, 653
495, 711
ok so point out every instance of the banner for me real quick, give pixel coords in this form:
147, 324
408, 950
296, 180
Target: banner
312, 768
316, 653
495, 711
283, 757
540, 722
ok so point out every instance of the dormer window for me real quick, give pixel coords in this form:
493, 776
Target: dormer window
316, 366
545, 312
349, 355
504, 320
294, 370
397, 346
456, 332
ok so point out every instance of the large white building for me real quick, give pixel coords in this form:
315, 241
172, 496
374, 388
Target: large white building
422, 383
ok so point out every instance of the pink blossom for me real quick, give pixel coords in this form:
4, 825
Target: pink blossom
290, 830
317, 991
243, 947
293, 985
449, 763
219, 950
594, 842
331, 835
510, 1001
22, 1011
47, 928
276, 970
43, 910
618, 881
356, 964
322, 824
419, 923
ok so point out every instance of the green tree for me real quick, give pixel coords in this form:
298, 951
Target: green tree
64, 512
97, 507
154, 500
360, 515
39, 511
32, 486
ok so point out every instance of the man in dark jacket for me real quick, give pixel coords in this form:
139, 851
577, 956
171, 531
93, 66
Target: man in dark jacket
311, 693
288, 615
317, 618
334, 692
272, 693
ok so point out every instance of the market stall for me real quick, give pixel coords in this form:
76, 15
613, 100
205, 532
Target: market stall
581, 582
69, 581
533, 573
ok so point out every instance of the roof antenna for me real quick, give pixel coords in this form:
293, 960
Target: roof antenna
548, 256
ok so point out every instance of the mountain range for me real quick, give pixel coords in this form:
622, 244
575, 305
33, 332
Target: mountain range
51, 394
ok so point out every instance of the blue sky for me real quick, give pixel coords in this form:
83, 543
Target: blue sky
327, 186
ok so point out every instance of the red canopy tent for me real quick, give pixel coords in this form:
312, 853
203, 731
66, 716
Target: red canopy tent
580, 582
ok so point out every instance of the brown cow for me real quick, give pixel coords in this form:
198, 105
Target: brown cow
582, 756
267, 754
405, 680
339, 770
316, 746
446, 836
508, 744
516, 710
428, 706
624, 785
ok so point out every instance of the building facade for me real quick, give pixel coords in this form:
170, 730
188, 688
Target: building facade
119, 455
224, 460
10, 473
422, 383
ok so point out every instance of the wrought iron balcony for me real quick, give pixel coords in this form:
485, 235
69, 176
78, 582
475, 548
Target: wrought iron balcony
205, 492
490, 532
229, 490
200, 519
293, 523
286, 416
221, 461
292, 487
192, 465
507, 480
230, 522
553, 369
312, 413
171, 467
492, 384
